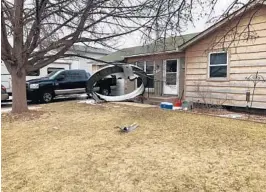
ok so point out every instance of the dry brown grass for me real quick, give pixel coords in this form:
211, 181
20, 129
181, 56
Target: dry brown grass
76, 147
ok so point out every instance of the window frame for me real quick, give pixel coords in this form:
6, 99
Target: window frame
227, 67
56, 69
145, 69
151, 89
177, 71
37, 75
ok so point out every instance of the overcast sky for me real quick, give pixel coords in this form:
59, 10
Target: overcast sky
135, 38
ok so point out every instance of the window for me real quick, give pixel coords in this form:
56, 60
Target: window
148, 67
52, 75
34, 73
150, 72
171, 72
141, 65
75, 75
52, 69
218, 65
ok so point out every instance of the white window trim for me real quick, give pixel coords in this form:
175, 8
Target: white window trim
209, 66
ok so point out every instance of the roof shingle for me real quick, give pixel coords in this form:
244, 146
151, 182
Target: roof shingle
170, 44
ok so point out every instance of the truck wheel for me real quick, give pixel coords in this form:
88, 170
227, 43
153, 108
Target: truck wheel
105, 91
47, 97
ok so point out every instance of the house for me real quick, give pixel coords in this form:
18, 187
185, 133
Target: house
220, 59
162, 61
210, 67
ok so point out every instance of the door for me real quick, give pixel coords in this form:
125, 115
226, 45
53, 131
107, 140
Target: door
79, 80
63, 84
74, 82
171, 77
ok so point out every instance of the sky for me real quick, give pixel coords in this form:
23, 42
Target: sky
134, 39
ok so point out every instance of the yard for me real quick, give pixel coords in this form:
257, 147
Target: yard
78, 147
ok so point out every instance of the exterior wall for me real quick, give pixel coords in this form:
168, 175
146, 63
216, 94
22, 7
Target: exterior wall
96, 67
245, 58
182, 77
82, 63
158, 75
158, 85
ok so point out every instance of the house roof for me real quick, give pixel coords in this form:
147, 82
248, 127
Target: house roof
171, 44
221, 23
89, 49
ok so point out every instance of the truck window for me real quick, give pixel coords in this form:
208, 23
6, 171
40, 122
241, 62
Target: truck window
76, 75
34, 73
52, 69
83, 75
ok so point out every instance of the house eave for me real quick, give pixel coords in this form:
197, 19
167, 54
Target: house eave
219, 24
158, 53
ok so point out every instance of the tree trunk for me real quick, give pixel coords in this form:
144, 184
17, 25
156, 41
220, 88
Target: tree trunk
19, 98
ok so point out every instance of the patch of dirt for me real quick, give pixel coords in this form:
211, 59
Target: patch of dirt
26, 116
211, 111
218, 112
134, 104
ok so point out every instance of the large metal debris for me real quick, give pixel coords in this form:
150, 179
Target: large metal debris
130, 72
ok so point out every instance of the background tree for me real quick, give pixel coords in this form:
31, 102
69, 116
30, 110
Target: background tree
35, 33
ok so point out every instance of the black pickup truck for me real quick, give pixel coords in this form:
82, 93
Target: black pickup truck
65, 82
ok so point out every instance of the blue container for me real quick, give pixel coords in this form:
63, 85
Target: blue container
166, 105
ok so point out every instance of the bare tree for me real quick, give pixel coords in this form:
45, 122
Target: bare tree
35, 33
206, 98
234, 33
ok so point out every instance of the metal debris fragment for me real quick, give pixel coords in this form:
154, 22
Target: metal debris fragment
129, 128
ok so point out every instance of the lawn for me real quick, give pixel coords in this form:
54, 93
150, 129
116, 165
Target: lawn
78, 147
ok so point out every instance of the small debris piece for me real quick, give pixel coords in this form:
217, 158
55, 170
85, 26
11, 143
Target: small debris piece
129, 128
95, 97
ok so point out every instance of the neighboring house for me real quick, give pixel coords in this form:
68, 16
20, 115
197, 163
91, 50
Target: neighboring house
162, 61
65, 63
216, 70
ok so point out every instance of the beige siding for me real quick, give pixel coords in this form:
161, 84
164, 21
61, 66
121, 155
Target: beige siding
158, 76
95, 68
245, 58
182, 77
